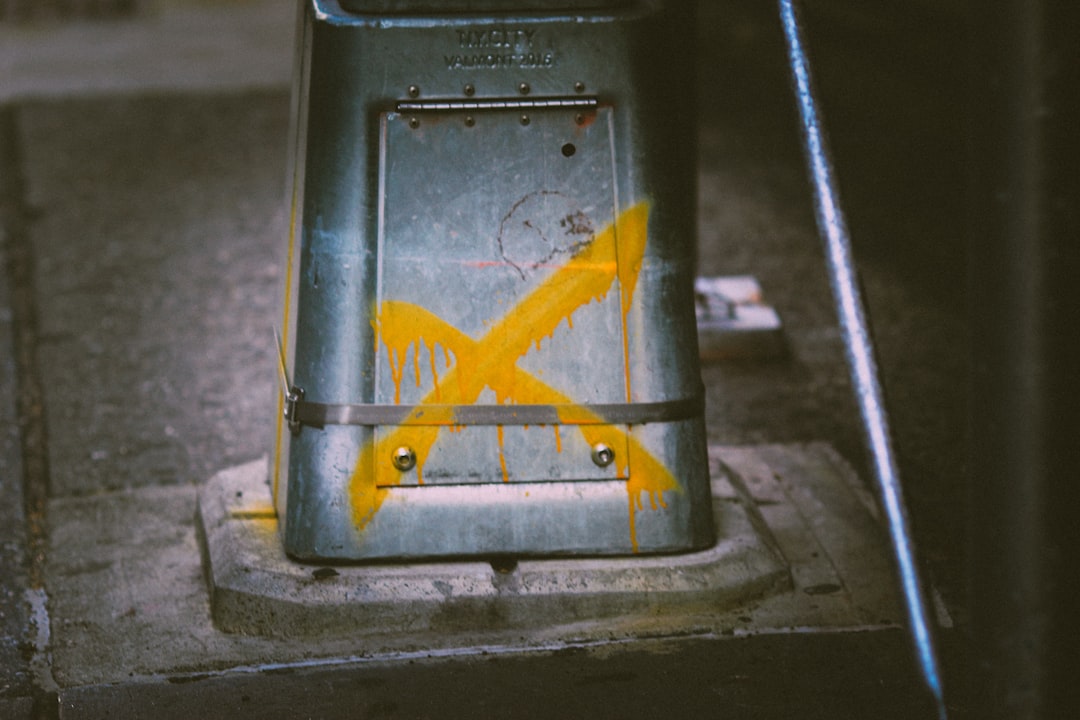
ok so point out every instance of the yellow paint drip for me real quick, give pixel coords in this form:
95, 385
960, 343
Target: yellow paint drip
645, 474
631, 243
434, 371
502, 456
491, 362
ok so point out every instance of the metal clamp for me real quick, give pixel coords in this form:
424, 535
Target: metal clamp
293, 397
301, 412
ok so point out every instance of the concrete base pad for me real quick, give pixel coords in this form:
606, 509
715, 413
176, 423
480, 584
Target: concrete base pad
256, 589
788, 518
129, 604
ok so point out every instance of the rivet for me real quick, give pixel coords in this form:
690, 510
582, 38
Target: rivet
414, 123
470, 90
524, 88
579, 119
404, 458
524, 119
469, 121
579, 87
602, 455
414, 91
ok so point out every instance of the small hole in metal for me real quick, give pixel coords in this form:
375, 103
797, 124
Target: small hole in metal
504, 565
568, 150
469, 121
470, 90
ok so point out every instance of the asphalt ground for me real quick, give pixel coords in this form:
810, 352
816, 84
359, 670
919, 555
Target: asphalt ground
143, 234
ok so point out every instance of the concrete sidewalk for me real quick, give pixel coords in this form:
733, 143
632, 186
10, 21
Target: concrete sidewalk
164, 46
152, 156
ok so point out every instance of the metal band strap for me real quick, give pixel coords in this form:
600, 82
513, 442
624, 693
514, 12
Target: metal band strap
302, 412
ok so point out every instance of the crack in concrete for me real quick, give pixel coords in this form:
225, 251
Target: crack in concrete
29, 401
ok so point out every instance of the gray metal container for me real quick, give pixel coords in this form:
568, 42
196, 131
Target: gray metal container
489, 306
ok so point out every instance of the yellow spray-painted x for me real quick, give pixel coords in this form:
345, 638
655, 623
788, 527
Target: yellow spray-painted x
617, 251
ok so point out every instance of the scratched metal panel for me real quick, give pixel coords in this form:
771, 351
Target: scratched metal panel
480, 214
355, 72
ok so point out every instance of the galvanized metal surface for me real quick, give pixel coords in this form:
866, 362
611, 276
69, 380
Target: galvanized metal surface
491, 210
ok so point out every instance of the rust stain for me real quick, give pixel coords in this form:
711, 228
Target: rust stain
491, 362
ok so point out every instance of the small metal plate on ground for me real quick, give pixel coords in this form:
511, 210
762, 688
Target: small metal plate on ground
733, 321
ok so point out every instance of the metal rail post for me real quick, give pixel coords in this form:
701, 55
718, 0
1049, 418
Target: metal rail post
859, 350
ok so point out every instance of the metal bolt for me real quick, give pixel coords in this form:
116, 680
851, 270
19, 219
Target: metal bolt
404, 458
414, 91
470, 90
469, 121
414, 123
602, 455
579, 87
524, 88
524, 119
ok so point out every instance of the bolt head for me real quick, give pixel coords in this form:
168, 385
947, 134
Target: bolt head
404, 458
602, 455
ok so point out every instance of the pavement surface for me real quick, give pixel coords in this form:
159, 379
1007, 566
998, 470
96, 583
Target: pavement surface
141, 210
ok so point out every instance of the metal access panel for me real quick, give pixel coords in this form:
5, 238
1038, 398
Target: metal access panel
502, 208
489, 311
